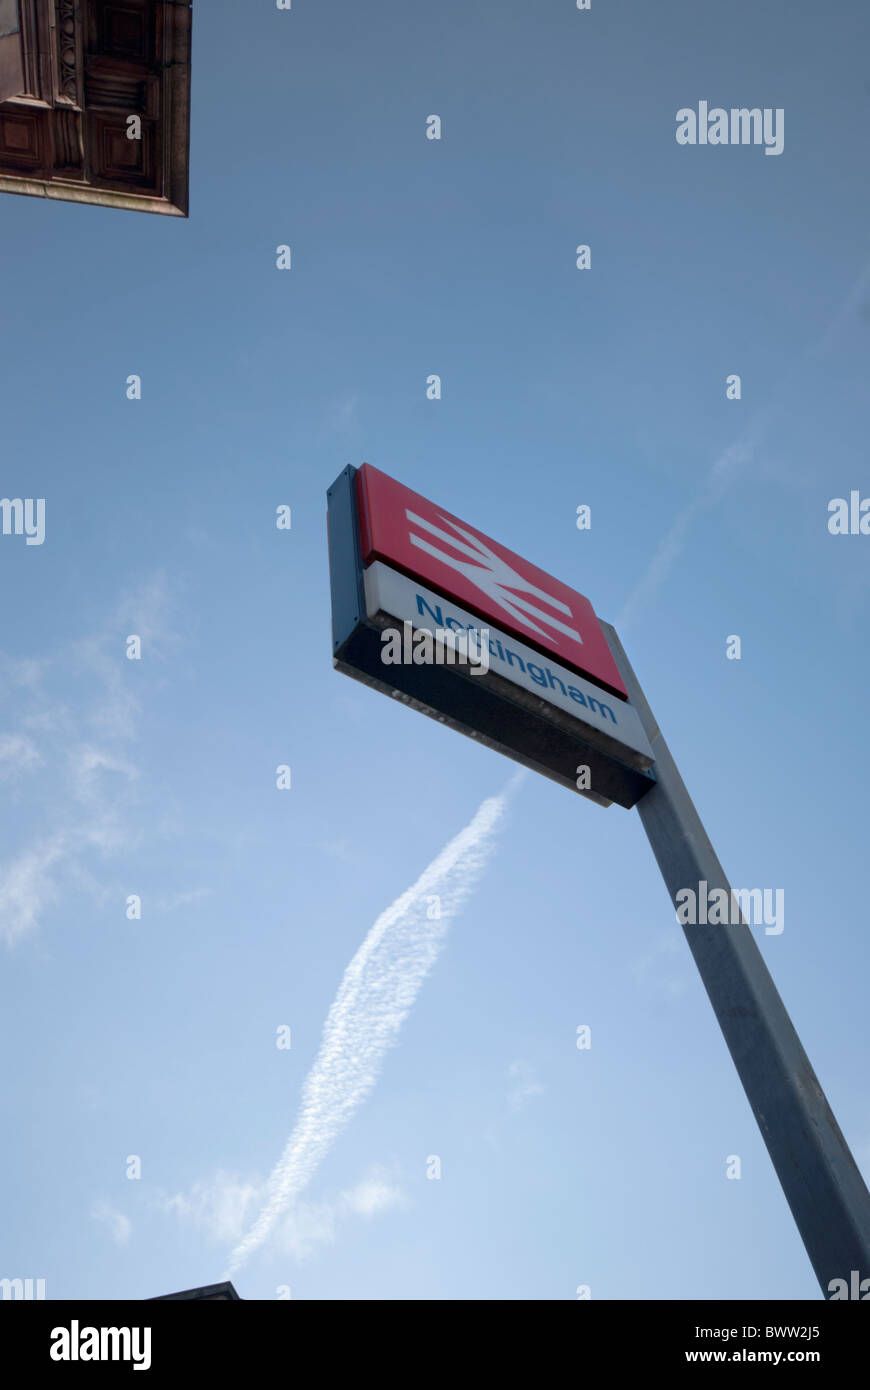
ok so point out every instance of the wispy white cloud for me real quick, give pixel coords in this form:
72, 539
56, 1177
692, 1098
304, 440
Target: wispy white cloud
343, 415
721, 475
113, 707
220, 1207
27, 886
307, 1225
371, 1196
119, 1225
83, 736
177, 900
734, 461
342, 850
375, 995
524, 1084
223, 1207
18, 754
88, 766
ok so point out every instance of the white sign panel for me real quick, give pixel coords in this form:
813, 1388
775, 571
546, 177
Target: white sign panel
388, 591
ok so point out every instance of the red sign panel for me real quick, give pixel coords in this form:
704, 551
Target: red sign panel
406, 531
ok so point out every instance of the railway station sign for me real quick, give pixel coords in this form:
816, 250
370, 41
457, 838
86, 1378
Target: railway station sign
543, 688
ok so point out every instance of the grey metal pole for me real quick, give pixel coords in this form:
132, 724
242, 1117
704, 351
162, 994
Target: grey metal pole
823, 1187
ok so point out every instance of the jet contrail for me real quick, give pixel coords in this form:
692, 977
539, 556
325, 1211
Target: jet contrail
374, 998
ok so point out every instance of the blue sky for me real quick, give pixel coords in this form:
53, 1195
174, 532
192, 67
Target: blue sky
156, 777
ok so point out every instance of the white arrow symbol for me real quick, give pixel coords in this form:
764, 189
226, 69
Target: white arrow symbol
493, 576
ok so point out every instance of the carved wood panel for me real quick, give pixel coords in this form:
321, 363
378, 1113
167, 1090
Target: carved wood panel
11, 56
104, 111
